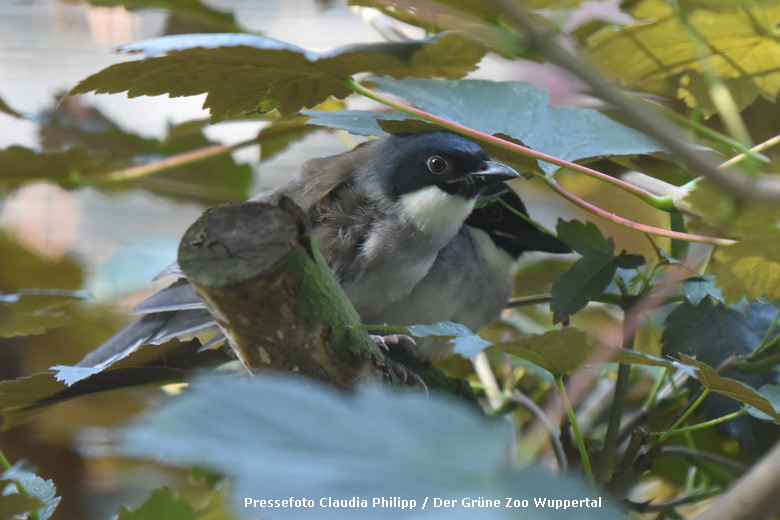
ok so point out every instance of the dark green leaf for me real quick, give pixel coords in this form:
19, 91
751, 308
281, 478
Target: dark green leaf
522, 111
589, 275
711, 332
243, 73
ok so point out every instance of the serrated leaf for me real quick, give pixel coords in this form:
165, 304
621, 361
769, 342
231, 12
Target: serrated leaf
358, 122
589, 275
557, 351
24, 314
25, 391
243, 73
161, 504
289, 436
43, 490
749, 269
698, 288
741, 392
524, 113
464, 342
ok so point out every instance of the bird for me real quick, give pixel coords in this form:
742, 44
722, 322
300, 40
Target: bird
471, 280
379, 213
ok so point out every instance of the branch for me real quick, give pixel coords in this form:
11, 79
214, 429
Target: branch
274, 297
754, 495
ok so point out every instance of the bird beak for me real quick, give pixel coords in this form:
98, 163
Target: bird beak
493, 172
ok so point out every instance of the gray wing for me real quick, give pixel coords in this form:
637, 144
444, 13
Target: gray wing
173, 312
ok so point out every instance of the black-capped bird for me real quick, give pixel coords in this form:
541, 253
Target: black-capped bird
380, 214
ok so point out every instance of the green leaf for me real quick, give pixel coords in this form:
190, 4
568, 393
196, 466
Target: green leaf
14, 503
243, 73
21, 165
557, 351
162, 504
43, 490
698, 288
749, 269
523, 112
741, 392
24, 314
589, 275
24, 392
290, 437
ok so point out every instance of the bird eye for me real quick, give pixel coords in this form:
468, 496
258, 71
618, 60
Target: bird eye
436, 164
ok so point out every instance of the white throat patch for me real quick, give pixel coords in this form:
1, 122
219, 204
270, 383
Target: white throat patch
435, 211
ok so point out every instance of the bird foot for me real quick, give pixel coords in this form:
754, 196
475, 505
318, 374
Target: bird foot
406, 375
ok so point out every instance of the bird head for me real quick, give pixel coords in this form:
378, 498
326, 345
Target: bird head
441, 160
507, 229
435, 178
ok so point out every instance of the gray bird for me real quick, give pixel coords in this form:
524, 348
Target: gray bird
472, 278
380, 213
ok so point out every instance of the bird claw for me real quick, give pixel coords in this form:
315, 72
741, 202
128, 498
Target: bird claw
406, 375
392, 339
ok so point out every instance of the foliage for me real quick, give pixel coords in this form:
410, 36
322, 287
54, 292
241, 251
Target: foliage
681, 326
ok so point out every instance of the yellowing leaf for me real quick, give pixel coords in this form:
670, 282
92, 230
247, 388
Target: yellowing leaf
742, 41
750, 268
